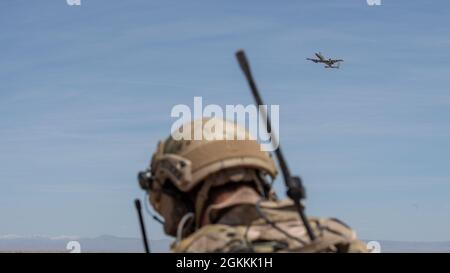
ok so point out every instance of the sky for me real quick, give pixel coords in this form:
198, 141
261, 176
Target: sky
86, 92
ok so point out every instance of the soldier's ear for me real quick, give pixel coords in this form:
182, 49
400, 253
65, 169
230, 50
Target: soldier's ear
173, 209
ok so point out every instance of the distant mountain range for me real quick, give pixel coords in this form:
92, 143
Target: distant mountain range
400, 246
104, 243
108, 243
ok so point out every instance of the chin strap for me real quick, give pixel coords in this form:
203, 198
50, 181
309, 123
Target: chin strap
181, 225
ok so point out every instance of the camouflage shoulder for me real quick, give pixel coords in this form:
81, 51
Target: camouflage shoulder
337, 235
213, 238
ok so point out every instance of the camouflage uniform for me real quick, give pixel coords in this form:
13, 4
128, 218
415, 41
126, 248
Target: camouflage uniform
215, 196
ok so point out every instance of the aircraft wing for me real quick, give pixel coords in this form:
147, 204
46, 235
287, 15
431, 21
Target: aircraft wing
313, 60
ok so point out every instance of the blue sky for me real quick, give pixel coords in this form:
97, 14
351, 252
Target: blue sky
87, 91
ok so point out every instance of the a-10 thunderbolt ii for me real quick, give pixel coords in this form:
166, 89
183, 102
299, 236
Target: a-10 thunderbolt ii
329, 63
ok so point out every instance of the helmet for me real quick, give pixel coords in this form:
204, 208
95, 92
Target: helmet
196, 151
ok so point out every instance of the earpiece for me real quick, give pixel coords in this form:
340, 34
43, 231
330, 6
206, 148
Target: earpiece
145, 179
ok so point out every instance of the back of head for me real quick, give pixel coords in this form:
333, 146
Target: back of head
197, 157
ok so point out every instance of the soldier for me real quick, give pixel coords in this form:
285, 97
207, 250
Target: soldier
215, 195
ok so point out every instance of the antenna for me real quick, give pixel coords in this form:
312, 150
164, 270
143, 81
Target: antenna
137, 203
295, 189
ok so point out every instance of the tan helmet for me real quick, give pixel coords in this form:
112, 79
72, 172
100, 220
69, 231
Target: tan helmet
201, 148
